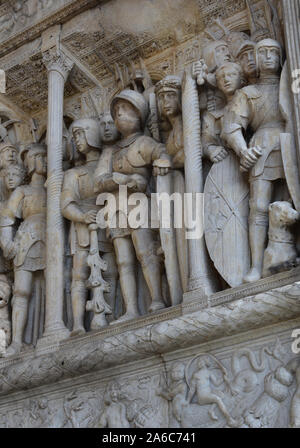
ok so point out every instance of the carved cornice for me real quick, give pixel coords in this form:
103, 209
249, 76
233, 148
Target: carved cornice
98, 351
55, 60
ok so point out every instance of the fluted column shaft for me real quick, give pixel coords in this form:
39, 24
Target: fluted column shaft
58, 67
199, 268
291, 13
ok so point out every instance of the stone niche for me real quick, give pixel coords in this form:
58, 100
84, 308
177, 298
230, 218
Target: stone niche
149, 326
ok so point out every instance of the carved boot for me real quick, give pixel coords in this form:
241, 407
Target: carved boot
257, 238
152, 273
79, 296
19, 319
129, 291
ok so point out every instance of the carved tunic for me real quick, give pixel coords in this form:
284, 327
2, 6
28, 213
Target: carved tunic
132, 156
78, 188
28, 203
257, 106
174, 144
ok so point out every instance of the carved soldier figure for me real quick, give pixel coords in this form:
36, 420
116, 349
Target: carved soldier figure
27, 249
8, 154
229, 80
168, 92
257, 107
245, 55
130, 166
78, 203
215, 54
14, 176
109, 136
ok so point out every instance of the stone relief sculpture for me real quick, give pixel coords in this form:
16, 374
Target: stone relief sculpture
223, 122
78, 203
200, 384
114, 414
281, 250
294, 367
226, 189
27, 248
79, 410
168, 94
176, 392
109, 136
258, 105
130, 167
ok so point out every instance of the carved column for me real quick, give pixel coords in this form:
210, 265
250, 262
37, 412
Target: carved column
200, 276
58, 67
291, 14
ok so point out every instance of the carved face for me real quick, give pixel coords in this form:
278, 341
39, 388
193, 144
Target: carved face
14, 177
109, 132
178, 372
127, 119
80, 140
203, 363
229, 80
43, 403
268, 59
169, 103
222, 55
37, 163
9, 156
247, 61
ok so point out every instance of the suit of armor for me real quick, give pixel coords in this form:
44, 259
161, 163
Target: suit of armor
27, 249
256, 108
130, 165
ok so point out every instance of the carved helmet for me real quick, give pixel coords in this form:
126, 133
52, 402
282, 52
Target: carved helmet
209, 54
30, 150
242, 46
136, 100
92, 131
7, 144
168, 83
33, 149
268, 43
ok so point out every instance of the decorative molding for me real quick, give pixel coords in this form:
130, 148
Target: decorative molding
98, 351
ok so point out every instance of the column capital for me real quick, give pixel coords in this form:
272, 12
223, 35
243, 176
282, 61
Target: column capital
55, 60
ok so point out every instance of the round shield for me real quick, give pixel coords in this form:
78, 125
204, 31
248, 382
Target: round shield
226, 211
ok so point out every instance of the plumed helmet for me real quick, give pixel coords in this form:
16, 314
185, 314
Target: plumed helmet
136, 100
209, 54
268, 43
92, 131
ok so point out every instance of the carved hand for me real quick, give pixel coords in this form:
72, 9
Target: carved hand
10, 250
90, 217
161, 167
199, 71
218, 154
249, 157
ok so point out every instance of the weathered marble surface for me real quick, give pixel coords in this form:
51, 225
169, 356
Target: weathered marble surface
130, 326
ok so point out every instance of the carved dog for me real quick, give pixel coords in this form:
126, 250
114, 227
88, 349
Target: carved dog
281, 251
